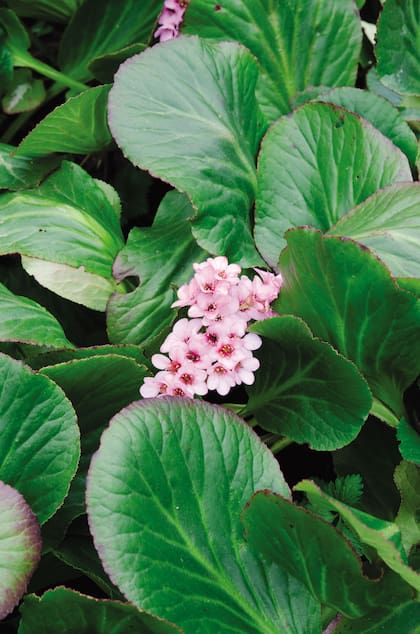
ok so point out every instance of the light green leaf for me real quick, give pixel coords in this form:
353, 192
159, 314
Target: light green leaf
409, 442
163, 117
23, 320
22, 172
298, 43
20, 547
314, 552
389, 223
23, 93
407, 479
78, 127
305, 390
66, 611
397, 46
119, 23
348, 298
39, 437
311, 171
141, 480
160, 256
382, 536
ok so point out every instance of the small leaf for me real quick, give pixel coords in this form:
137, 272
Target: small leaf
23, 320
171, 477
160, 256
388, 222
119, 23
22, 172
20, 547
23, 93
298, 43
409, 442
407, 479
347, 298
397, 46
314, 552
104, 67
66, 611
304, 389
402, 618
163, 118
39, 437
311, 171
78, 126
17, 37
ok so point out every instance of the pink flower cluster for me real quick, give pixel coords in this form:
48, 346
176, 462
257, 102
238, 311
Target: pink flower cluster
170, 19
212, 351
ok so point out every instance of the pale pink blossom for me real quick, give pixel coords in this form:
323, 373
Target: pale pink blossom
170, 19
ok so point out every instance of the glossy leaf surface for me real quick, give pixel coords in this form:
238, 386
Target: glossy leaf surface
163, 116
304, 390
39, 437
311, 171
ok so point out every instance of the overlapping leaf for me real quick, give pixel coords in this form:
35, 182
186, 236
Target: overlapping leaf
347, 298
171, 478
314, 167
298, 43
186, 111
39, 437
60, 10
304, 389
22, 172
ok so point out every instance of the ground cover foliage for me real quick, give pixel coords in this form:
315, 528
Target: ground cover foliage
279, 134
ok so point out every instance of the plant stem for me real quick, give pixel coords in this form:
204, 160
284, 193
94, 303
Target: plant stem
26, 60
280, 444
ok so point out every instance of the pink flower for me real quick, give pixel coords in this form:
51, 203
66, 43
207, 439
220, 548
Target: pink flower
170, 19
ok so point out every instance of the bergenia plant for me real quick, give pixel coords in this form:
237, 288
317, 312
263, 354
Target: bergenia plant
209, 324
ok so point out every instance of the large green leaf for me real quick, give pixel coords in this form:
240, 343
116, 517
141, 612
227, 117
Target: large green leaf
397, 48
348, 298
316, 165
192, 102
304, 389
78, 126
382, 536
22, 172
119, 23
403, 618
298, 43
314, 552
164, 497
55, 10
20, 547
389, 223
39, 437
65, 611
160, 256
98, 387
70, 225
23, 320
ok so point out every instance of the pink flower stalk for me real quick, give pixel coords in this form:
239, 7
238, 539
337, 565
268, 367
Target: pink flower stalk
212, 351
170, 19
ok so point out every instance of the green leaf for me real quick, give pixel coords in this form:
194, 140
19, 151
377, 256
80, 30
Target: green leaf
402, 618
119, 23
388, 222
409, 442
51, 10
78, 127
23, 93
160, 256
382, 536
20, 547
163, 118
316, 165
314, 552
104, 67
407, 479
348, 298
374, 454
171, 477
53, 358
305, 390
379, 112
67, 221
17, 37
98, 387
298, 43
23, 320
22, 172
397, 46
66, 611
39, 438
